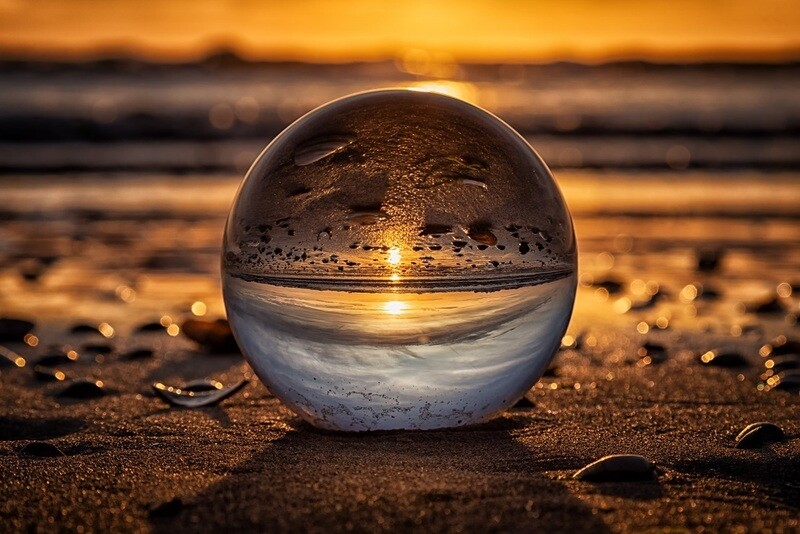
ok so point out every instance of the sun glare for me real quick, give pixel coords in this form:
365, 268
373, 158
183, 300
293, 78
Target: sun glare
395, 307
462, 90
394, 256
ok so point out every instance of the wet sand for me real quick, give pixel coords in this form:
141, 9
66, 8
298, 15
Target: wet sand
84, 256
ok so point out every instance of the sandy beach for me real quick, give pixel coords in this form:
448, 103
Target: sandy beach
629, 380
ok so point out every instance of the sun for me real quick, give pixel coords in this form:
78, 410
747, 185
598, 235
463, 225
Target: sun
395, 307
394, 256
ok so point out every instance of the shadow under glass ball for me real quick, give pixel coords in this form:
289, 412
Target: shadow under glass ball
399, 259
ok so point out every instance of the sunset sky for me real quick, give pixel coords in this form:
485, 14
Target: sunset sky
465, 30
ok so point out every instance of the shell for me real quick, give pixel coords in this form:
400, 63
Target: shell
319, 148
193, 396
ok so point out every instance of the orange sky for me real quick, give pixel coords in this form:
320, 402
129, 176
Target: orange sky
477, 30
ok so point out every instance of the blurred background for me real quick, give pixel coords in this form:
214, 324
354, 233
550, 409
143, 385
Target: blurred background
673, 128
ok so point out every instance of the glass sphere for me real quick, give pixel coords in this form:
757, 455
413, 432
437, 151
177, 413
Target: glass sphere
399, 259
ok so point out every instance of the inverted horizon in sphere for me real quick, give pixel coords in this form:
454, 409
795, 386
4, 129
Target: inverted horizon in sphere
399, 259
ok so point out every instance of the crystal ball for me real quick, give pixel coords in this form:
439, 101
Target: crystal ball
399, 259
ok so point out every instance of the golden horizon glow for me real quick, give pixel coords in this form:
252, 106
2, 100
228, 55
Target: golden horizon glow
395, 307
441, 32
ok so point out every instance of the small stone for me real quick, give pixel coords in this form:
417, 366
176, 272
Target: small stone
551, 371
618, 468
435, 230
573, 342
216, 336
708, 292
48, 374
83, 328
650, 348
524, 402
483, 236
783, 363
14, 330
9, 358
787, 381
759, 434
366, 217
138, 354
41, 449
83, 388
767, 306
718, 358
611, 285
98, 348
780, 346
709, 259
167, 509
645, 303
651, 353
57, 359
150, 327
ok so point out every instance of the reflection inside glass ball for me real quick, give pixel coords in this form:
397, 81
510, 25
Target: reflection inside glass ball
398, 259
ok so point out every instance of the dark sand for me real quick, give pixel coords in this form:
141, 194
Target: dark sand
250, 464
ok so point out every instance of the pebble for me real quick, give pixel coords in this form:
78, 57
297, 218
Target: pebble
187, 398
551, 371
611, 285
787, 381
12, 330
709, 259
718, 358
48, 374
9, 358
150, 327
216, 336
41, 449
166, 509
783, 363
84, 328
138, 354
98, 348
435, 230
524, 402
759, 434
767, 306
651, 348
482, 235
618, 468
54, 360
367, 217
83, 388
780, 346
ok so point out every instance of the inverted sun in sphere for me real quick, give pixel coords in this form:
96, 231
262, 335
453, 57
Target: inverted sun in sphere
399, 259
